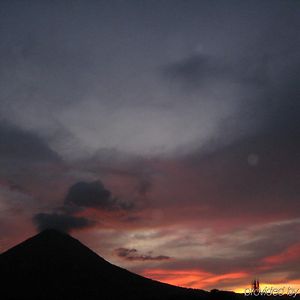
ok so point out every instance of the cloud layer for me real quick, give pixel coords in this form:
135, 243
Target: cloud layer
133, 255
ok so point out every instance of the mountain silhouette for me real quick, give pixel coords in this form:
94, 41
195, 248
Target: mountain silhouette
53, 265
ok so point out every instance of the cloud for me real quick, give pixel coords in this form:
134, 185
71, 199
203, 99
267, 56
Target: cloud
90, 194
258, 162
134, 255
195, 70
94, 194
248, 249
24, 152
199, 69
234, 182
19, 144
63, 222
81, 196
262, 250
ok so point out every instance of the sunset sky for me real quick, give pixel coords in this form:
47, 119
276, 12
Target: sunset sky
162, 134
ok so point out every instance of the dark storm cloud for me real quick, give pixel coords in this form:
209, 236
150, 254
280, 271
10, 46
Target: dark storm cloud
63, 222
80, 196
19, 144
134, 255
94, 194
90, 194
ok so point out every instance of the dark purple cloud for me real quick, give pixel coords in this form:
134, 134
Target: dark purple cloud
80, 196
134, 255
90, 194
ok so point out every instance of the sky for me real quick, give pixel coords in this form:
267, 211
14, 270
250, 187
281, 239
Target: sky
162, 134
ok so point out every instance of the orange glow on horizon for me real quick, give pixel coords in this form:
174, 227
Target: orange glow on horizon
191, 278
204, 280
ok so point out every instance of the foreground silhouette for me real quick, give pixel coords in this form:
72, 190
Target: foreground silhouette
53, 265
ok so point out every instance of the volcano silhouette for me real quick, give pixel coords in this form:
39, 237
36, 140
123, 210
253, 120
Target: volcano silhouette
53, 265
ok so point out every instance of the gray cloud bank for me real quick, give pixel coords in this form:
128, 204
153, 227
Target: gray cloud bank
64, 70
134, 255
